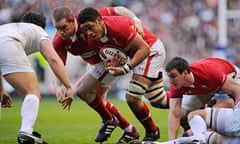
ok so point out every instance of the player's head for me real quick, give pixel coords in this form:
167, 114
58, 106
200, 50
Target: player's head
64, 21
35, 18
91, 22
177, 69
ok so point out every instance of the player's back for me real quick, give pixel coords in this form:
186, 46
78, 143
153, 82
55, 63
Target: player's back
27, 34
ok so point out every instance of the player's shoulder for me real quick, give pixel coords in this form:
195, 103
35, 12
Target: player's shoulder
106, 11
119, 25
118, 21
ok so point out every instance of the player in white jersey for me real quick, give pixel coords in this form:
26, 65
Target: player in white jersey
17, 40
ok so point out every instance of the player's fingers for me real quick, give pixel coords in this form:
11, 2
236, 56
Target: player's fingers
116, 71
66, 103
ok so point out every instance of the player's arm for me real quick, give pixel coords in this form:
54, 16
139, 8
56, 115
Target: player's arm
59, 47
58, 68
141, 49
174, 117
122, 11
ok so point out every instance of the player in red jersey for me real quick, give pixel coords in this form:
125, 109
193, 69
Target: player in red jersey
146, 54
93, 86
201, 80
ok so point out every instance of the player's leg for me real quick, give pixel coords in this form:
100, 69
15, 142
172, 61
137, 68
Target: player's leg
215, 138
137, 88
152, 68
156, 93
130, 133
216, 119
31, 99
189, 103
94, 93
19, 73
147, 81
86, 91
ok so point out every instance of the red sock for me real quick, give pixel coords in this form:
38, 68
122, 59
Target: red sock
98, 106
143, 115
123, 123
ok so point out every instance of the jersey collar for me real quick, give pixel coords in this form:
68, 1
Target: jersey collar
74, 37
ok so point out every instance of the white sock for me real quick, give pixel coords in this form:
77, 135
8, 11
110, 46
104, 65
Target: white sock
29, 112
198, 127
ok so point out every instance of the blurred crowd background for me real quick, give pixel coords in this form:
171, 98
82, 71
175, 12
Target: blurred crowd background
188, 28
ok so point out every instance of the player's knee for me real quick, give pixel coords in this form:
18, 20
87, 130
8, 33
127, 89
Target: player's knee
136, 89
160, 104
157, 96
82, 95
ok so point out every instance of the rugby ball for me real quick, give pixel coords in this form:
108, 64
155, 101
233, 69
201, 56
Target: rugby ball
107, 53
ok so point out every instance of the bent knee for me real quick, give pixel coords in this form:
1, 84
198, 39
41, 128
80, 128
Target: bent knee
82, 95
160, 104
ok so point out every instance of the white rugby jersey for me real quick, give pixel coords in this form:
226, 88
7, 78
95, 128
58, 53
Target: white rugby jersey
27, 34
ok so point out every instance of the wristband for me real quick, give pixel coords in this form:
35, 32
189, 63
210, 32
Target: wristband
127, 68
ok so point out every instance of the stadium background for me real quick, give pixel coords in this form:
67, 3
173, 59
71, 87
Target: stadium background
188, 28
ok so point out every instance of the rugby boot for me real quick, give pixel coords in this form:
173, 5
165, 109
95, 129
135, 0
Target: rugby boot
153, 136
26, 138
128, 137
106, 130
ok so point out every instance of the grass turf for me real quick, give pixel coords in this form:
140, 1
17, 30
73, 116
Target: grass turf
77, 126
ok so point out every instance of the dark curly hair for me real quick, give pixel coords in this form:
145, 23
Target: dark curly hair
35, 18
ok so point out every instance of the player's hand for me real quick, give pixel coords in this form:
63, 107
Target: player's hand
6, 101
114, 62
67, 100
60, 93
116, 71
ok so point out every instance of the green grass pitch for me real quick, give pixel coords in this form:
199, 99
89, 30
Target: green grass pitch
76, 126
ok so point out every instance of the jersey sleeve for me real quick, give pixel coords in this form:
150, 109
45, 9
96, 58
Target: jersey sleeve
59, 48
176, 93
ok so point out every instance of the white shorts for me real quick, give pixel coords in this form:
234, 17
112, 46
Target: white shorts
13, 58
99, 72
153, 64
225, 121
